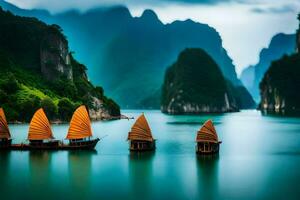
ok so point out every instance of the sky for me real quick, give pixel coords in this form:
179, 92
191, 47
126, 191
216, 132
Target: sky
246, 26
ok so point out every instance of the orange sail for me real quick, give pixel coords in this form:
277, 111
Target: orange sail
207, 133
80, 126
4, 130
39, 127
140, 130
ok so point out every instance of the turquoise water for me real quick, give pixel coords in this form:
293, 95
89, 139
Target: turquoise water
259, 159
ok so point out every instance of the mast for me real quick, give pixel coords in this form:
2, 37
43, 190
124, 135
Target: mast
4, 130
39, 127
140, 130
207, 133
80, 125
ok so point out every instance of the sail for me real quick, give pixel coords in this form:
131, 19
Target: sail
4, 130
140, 130
80, 125
39, 127
207, 133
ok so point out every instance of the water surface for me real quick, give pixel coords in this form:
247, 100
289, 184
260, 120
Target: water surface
259, 159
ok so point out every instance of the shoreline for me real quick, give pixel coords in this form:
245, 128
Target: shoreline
57, 122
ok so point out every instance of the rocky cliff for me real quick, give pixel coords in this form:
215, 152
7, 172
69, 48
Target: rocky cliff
280, 85
38, 70
194, 84
54, 55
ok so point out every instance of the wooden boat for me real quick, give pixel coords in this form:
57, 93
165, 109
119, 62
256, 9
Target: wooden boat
80, 131
140, 136
5, 138
207, 139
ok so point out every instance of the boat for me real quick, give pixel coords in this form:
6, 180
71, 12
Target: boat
207, 139
140, 137
80, 131
5, 138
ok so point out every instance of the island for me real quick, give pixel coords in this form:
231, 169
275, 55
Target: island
195, 84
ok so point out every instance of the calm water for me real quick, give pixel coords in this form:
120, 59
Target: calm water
259, 159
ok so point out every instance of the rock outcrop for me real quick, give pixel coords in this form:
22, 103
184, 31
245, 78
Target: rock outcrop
54, 55
280, 85
194, 84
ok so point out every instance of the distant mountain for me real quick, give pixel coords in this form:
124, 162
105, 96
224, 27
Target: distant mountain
194, 84
280, 44
128, 55
38, 70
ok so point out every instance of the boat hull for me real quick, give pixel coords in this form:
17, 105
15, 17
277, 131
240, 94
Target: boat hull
142, 146
82, 145
5, 143
207, 148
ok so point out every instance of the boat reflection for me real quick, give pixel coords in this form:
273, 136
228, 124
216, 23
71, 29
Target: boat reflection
140, 174
80, 172
4, 167
40, 174
207, 176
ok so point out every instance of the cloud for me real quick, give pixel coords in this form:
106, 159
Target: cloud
279, 10
198, 1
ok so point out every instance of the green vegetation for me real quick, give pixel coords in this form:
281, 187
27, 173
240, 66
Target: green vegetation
20, 99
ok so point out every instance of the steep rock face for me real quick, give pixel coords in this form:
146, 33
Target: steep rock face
54, 55
194, 84
280, 85
280, 44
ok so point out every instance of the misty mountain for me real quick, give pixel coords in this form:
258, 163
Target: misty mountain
280, 44
128, 55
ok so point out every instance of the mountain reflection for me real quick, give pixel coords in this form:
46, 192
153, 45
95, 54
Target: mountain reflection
207, 176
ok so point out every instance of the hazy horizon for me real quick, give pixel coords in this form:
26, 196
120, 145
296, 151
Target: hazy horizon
245, 26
